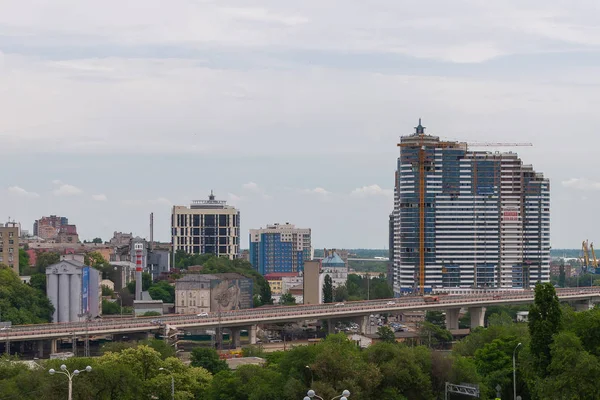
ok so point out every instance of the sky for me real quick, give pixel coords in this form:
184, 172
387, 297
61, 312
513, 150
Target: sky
290, 111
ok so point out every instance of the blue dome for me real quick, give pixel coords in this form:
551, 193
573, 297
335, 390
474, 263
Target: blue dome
333, 261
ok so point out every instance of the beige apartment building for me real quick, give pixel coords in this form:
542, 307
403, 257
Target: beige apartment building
206, 227
9, 247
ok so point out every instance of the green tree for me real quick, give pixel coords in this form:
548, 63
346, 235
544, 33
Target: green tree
21, 303
328, 289
45, 259
434, 336
110, 307
208, 359
436, 317
340, 293
97, 240
162, 290
23, 262
572, 373
386, 334
38, 282
287, 300
96, 260
106, 291
545, 320
162, 347
265, 294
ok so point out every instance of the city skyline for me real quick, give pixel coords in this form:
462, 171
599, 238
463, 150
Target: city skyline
110, 113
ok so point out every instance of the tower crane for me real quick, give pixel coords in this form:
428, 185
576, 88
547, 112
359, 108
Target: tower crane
594, 259
422, 141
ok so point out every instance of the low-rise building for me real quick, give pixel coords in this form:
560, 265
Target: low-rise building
197, 293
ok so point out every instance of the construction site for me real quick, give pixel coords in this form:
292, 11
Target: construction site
466, 220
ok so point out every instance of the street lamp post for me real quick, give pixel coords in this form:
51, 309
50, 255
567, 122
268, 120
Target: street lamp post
515, 372
172, 382
312, 377
69, 375
311, 394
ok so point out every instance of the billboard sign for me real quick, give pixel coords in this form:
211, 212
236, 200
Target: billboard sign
230, 294
510, 214
85, 290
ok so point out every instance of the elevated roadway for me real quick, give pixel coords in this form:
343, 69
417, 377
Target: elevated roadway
281, 314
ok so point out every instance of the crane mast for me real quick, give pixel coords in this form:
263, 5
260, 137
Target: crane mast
423, 141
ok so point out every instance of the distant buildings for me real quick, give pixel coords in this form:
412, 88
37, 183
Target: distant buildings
467, 219
570, 271
280, 248
333, 265
9, 247
55, 228
156, 261
206, 227
196, 293
74, 290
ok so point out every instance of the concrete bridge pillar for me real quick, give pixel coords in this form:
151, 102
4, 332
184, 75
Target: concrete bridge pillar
53, 346
583, 305
252, 334
452, 318
364, 324
40, 349
330, 326
235, 337
477, 316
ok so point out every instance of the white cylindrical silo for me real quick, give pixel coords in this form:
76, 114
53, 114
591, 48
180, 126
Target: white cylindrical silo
52, 290
75, 296
63, 297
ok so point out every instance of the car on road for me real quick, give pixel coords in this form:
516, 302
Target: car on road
203, 314
275, 341
391, 303
339, 304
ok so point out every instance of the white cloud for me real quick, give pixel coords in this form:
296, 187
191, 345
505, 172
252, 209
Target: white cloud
235, 198
372, 190
67, 190
57, 182
161, 201
250, 186
317, 191
99, 197
19, 191
581, 184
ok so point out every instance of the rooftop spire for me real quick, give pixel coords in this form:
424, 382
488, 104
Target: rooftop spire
211, 196
419, 130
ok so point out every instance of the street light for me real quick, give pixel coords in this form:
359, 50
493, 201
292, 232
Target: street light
312, 378
69, 375
515, 372
311, 394
172, 382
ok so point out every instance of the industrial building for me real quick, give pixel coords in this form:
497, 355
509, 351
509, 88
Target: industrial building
467, 219
280, 248
74, 290
196, 293
9, 246
206, 227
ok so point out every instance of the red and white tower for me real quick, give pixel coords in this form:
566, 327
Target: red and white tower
139, 250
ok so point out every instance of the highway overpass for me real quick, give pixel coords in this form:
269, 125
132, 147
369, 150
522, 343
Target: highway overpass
249, 318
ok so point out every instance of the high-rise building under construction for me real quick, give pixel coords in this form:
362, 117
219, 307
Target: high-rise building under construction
467, 220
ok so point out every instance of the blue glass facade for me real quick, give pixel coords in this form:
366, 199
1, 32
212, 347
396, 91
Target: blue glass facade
485, 218
271, 254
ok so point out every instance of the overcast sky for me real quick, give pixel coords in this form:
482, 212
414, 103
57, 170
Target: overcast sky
290, 110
